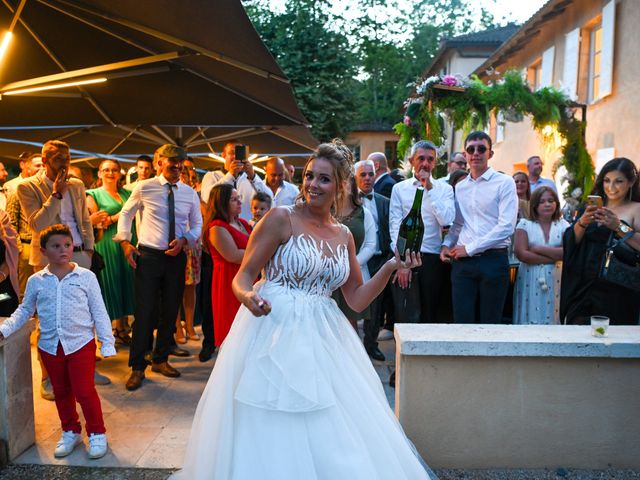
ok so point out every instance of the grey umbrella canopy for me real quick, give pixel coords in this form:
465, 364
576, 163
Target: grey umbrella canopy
193, 63
100, 141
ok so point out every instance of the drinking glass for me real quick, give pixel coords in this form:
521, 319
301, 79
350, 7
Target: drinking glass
599, 325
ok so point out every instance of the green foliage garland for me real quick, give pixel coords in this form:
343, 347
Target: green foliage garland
467, 105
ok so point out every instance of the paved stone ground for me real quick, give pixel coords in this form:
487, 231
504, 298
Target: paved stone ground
148, 428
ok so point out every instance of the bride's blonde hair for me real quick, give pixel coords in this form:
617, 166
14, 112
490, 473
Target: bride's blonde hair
341, 159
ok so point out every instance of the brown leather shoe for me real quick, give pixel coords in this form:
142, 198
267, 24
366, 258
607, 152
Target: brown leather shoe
135, 380
165, 369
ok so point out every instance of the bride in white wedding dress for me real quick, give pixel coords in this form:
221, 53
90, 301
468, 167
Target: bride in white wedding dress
293, 394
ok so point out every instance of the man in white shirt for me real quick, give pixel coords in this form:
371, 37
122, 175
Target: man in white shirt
534, 167
144, 170
457, 162
284, 193
240, 174
171, 220
478, 241
416, 293
383, 182
378, 206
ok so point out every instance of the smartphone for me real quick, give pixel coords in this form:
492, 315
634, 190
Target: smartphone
594, 200
241, 152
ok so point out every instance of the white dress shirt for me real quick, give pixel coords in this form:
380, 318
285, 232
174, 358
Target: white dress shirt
152, 195
285, 195
486, 213
368, 247
69, 311
543, 182
370, 205
246, 188
438, 210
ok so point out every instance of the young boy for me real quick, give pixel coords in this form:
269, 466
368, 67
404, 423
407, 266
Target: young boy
70, 307
260, 205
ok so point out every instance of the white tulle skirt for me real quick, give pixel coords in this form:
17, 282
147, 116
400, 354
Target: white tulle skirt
293, 396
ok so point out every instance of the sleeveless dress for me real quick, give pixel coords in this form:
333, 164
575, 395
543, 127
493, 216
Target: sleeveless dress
116, 278
536, 298
293, 395
355, 222
224, 302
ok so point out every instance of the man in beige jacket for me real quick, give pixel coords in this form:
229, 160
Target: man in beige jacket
50, 197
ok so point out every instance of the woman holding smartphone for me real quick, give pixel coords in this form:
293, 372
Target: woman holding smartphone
585, 243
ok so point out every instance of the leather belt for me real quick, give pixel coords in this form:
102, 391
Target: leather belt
493, 251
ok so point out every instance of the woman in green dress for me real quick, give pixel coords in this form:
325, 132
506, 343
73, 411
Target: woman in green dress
116, 278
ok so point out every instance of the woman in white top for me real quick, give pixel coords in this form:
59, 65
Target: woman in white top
538, 246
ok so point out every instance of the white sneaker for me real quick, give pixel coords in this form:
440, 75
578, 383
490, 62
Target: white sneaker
97, 445
385, 335
68, 441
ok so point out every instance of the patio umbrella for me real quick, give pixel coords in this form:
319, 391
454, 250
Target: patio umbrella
128, 142
161, 62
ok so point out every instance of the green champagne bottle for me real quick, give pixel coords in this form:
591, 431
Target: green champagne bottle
412, 228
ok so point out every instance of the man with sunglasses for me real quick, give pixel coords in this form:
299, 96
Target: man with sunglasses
478, 241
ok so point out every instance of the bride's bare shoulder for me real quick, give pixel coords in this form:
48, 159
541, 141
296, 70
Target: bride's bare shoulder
277, 222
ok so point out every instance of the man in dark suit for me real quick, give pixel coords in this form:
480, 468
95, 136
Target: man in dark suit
378, 205
383, 183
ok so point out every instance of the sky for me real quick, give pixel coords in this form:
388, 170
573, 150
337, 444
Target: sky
517, 10
520, 9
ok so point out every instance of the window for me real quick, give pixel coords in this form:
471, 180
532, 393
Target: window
595, 62
500, 124
596, 77
534, 75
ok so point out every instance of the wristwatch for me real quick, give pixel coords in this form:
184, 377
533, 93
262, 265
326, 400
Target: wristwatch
623, 229
57, 195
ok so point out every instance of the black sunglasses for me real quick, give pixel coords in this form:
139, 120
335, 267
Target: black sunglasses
471, 149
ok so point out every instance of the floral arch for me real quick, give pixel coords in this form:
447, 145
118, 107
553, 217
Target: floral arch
468, 104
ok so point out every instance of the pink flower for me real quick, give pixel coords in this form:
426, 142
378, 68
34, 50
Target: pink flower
407, 120
450, 80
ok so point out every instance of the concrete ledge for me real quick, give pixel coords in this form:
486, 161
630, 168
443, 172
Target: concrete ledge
499, 396
516, 341
17, 426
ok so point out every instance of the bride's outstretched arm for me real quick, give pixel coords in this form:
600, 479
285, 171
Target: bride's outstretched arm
270, 232
359, 294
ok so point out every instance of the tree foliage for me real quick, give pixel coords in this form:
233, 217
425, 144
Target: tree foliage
468, 104
356, 71
319, 62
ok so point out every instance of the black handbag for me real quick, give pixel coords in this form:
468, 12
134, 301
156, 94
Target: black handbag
621, 264
97, 263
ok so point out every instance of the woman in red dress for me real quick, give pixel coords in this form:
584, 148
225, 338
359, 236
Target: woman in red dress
227, 235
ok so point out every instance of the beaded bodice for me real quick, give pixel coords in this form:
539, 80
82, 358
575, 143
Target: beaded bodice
309, 265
